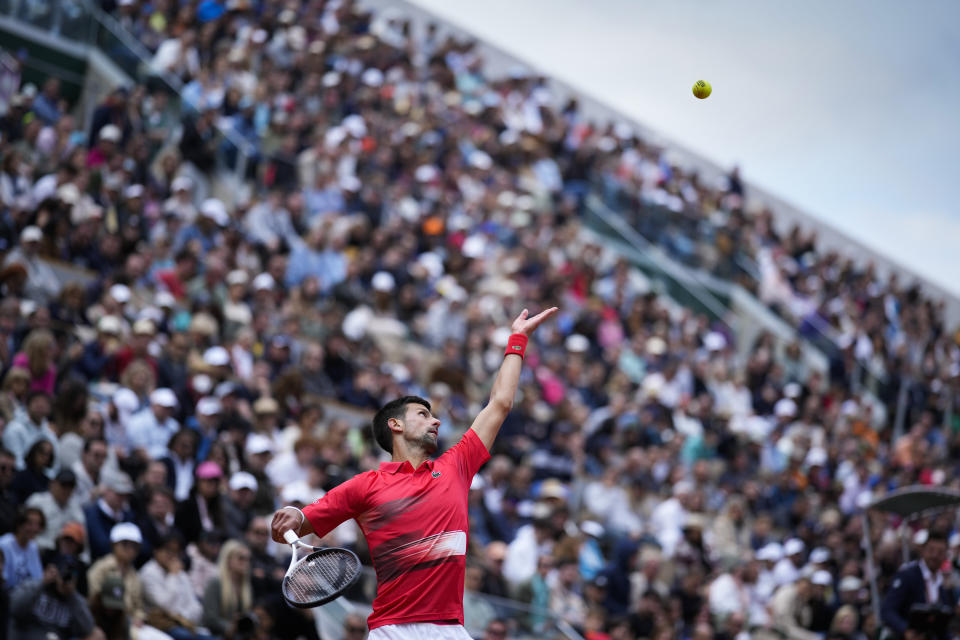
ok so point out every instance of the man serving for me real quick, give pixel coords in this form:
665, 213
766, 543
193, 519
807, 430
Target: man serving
413, 510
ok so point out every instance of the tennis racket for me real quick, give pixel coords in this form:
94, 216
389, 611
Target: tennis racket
320, 576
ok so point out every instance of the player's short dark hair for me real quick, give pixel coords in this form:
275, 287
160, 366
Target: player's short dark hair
393, 409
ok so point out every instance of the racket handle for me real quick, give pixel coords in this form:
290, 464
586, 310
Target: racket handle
290, 536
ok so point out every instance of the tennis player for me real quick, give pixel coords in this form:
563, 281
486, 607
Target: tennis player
413, 510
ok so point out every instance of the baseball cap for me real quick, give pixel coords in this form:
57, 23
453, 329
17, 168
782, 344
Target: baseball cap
133, 191
243, 480
553, 488
126, 532
850, 583
771, 552
164, 397
209, 470
120, 293
793, 546
109, 324
237, 276
144, 327
110, 132
263, 281
31, 233
258, 443
216, 356
822, 578
181, 183
214, 209
119, 482
819, 555
208, 406
74, 531
266, 405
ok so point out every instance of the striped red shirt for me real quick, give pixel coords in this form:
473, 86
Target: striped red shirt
415, 523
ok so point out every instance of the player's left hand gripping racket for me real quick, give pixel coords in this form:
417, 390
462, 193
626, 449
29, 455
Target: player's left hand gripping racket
320, 577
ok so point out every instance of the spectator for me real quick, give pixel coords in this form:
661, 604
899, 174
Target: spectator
31, 426
59, 505
116, 591
51, 606
790, 610
917, 582
157, 521
477, 612
38, 466
149, 430
171, 604
181, 462
8, 497
238, 505
13, 396
203, 555
109, 510
42, 284
230, 594
203, 510
88, 468
20, 552
354, 627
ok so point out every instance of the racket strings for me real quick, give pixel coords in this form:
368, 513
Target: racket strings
320, 575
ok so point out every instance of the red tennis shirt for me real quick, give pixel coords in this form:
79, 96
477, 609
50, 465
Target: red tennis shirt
415, 523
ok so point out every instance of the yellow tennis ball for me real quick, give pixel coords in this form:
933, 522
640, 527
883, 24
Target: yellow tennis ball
702, 89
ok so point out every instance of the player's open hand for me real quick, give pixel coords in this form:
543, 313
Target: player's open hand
526, 325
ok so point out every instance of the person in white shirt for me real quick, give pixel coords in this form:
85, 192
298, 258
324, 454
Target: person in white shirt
787, 570
150, 429
167, 590
59, 505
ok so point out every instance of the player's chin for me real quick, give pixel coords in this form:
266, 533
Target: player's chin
429, 442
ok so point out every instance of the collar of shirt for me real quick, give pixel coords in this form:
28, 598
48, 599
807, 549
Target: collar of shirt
405, 467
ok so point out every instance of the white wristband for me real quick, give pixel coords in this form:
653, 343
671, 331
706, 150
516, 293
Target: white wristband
303, 518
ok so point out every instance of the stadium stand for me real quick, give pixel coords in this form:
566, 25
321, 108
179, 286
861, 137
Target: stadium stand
293, 212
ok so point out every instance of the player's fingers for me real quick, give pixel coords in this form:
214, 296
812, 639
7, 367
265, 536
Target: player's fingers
543, 315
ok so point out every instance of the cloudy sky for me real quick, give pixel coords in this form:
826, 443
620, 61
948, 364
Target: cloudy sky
849, 110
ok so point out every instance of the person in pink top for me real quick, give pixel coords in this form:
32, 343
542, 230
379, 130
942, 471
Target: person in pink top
37, 357
413, 510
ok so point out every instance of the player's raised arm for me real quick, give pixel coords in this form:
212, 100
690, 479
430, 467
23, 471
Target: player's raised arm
488, 422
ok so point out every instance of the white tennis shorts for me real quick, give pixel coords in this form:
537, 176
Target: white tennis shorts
420, 631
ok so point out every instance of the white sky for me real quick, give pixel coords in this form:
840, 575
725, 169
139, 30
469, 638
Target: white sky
850, 110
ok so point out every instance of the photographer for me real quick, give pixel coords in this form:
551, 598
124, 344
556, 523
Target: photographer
920, 582
51, 607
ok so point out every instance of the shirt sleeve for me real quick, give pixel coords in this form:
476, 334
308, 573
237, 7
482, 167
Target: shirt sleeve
468, 455
341, 503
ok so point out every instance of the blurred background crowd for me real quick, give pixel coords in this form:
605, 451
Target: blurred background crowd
216, 349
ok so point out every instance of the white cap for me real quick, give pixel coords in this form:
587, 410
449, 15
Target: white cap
355, 125
714, 341
214, 209
772, 552
165, 299
31, 233
144, 326
216, 357
576, 343
243, 480
383, 281
237, 276
258, 443
109, 324
126, 531
125, 400
785, 408
263, 281
372, 77
793, 546
181, 183
822, 578
208, 406
816, 457
133, 191
120, 293
164, 397
850, 583
592, 528
111, 132
819, 555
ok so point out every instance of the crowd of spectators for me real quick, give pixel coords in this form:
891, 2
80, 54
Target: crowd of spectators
214, 353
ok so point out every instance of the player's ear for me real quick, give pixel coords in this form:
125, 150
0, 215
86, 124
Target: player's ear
395, 425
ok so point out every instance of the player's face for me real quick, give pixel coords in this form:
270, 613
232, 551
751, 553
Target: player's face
421, 427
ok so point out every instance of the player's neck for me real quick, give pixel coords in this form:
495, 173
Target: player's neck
415, 456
